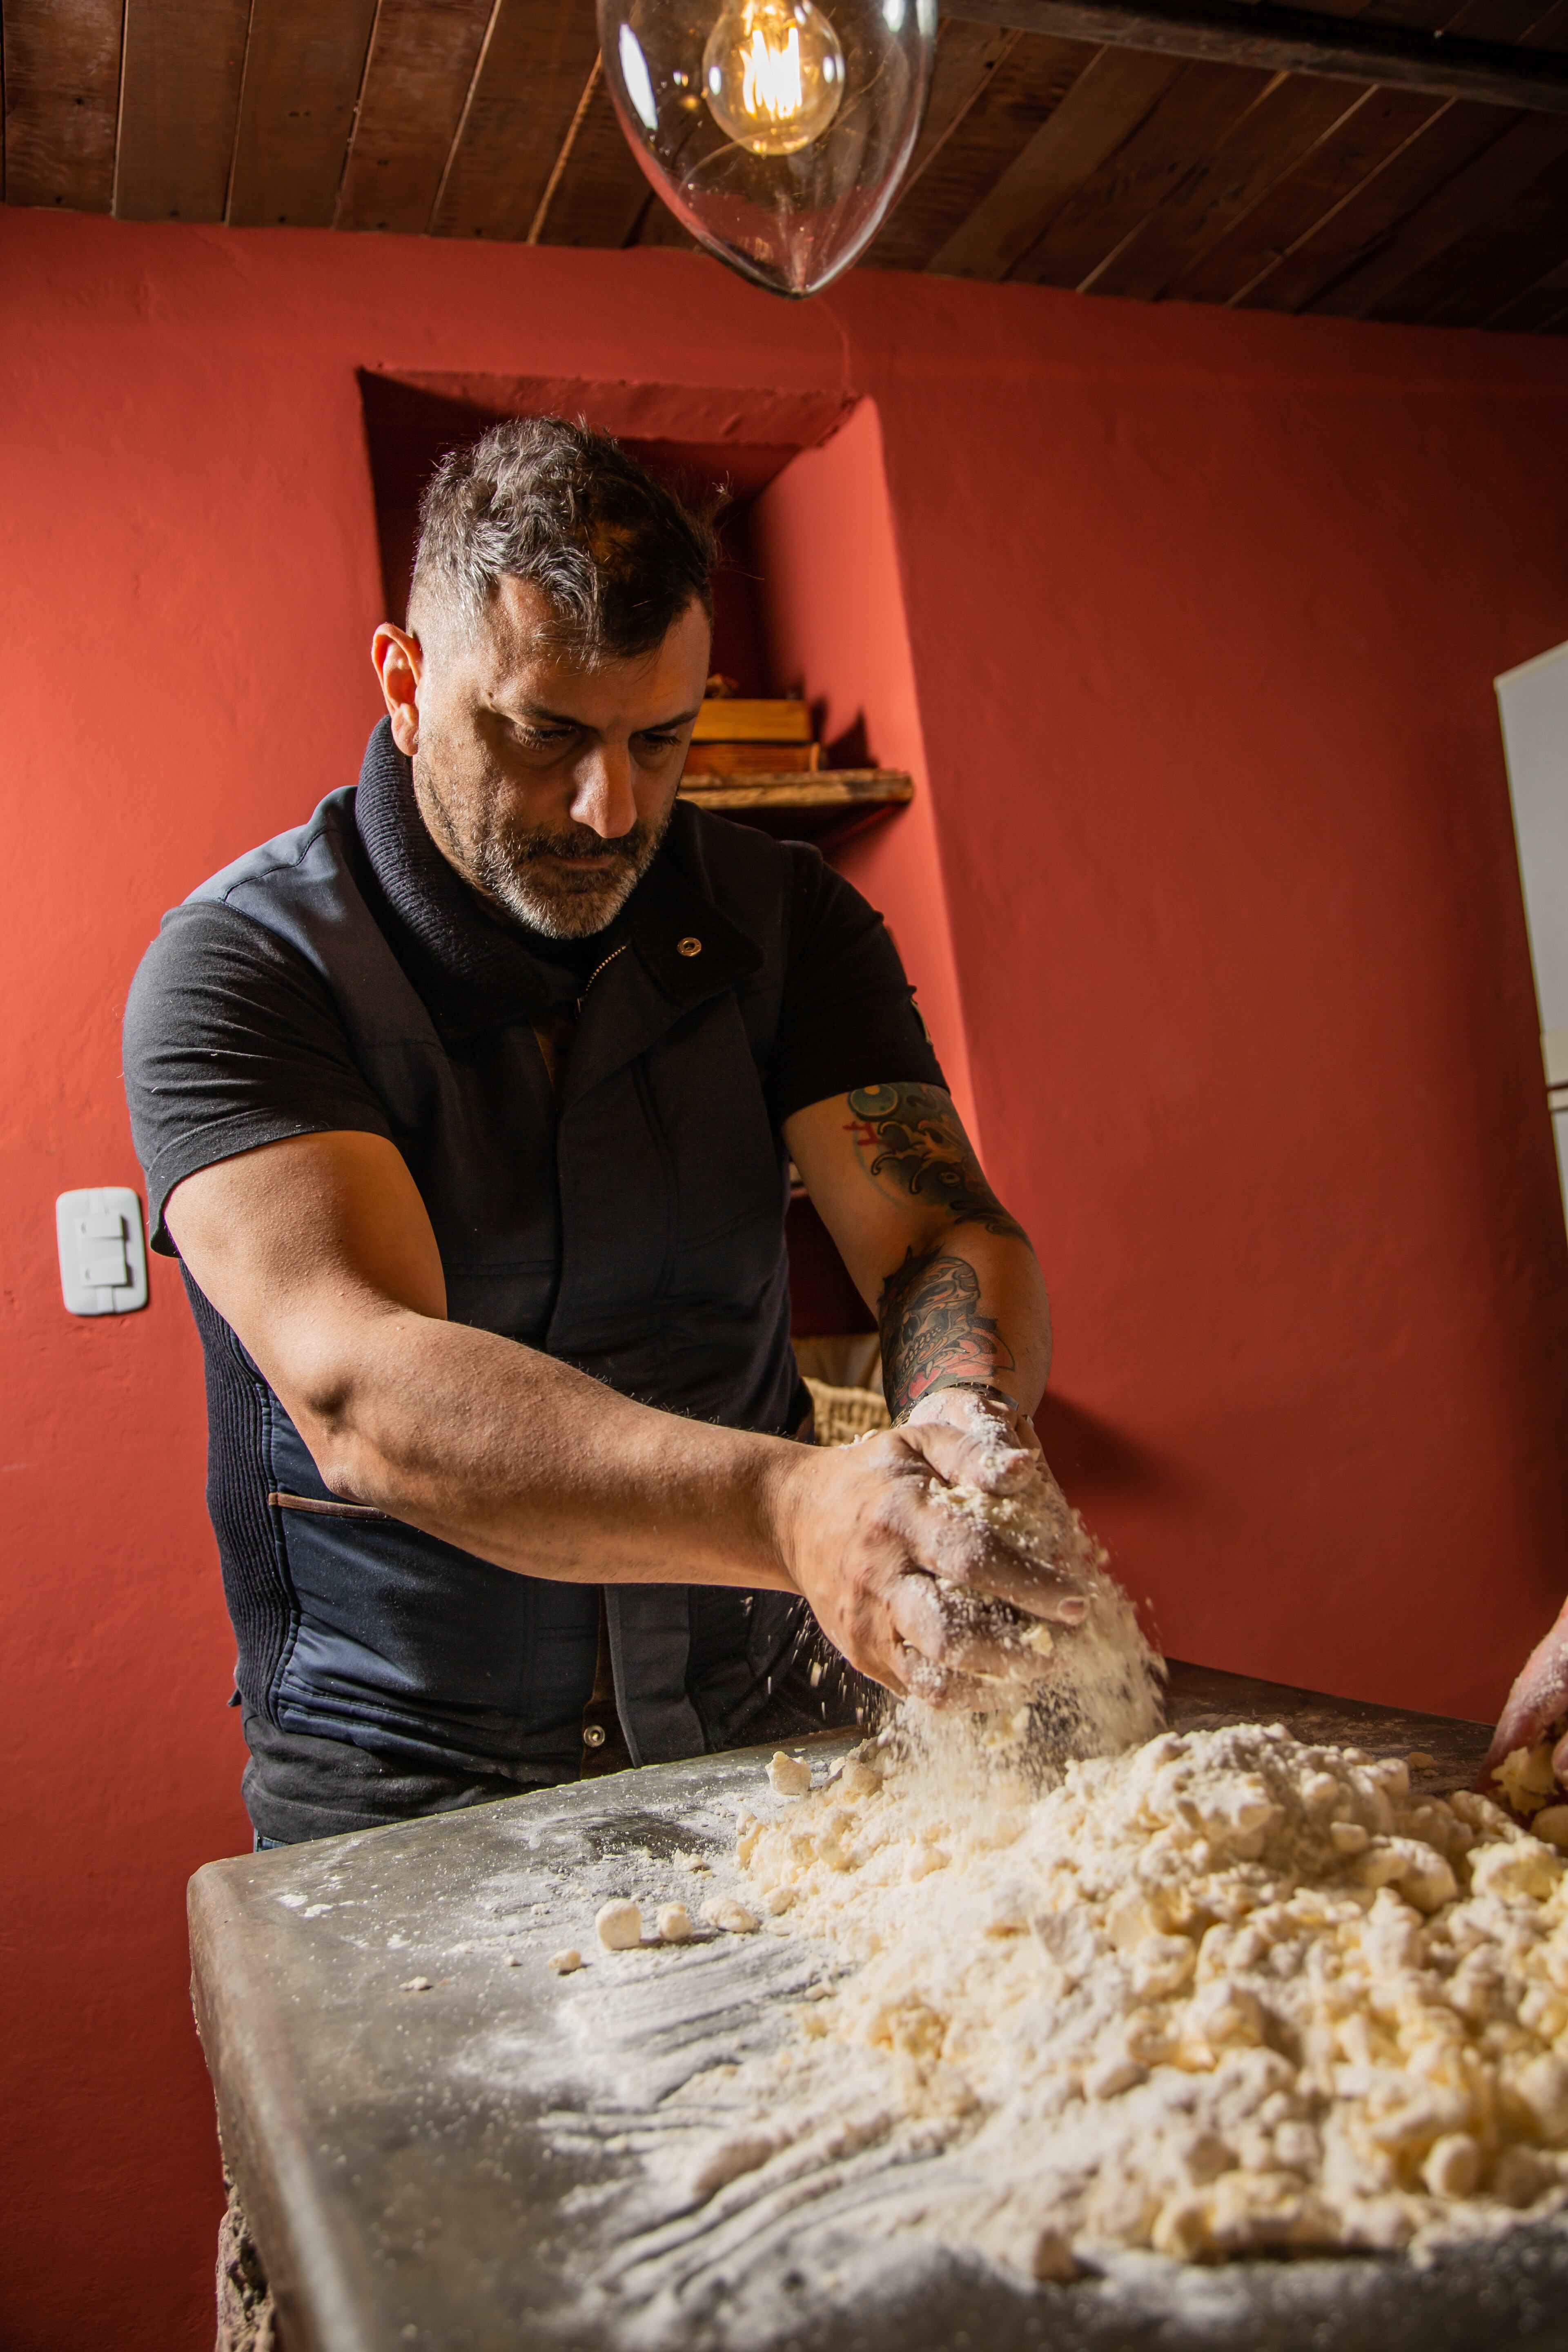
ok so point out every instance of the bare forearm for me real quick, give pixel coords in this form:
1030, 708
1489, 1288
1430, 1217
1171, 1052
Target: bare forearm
955, 1286
522, 1460
970, 1309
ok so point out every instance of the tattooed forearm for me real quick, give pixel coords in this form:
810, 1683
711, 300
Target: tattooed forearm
912, 1137
933, 1329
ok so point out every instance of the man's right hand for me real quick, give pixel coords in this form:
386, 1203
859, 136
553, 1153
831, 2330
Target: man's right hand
922, 1597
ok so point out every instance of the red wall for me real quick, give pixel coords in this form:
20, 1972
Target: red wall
834, 617
1202, 613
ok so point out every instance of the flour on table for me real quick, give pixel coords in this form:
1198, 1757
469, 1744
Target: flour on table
1218, 1993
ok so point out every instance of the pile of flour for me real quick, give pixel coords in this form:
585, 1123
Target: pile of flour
1104, 1688
1218, 1993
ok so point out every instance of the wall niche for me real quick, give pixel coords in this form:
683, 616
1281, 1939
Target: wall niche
807, 603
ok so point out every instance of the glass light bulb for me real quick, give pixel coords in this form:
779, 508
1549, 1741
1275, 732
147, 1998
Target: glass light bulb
773, 74
777, 137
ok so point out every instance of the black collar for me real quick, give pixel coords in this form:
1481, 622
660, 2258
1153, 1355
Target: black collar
476, 972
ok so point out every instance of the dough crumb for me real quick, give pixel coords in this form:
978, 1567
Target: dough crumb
674, 1923
723, 1911
789, 1776
415, 1984
1453, 2169
563, 1962
1526, 1778
1551, 1824
619, 1926
1419, 1761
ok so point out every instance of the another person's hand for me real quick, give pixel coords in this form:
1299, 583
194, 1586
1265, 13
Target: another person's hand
921, 1596
1538, 1701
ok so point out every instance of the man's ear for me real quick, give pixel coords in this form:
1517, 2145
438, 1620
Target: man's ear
399, 663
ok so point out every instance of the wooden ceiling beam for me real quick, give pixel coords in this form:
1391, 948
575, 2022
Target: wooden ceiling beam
1272, 258
967, 55
61, 69
1297, 40
424, 54
179, 100
1013, 97
525, 95
303, 66
1367, 213
1505, 254
1113, 94
1542, 308
1107, 212
597, 194
1294, 116
1501, 172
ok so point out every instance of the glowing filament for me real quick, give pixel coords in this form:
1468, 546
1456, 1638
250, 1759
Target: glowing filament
769, 83
772, 73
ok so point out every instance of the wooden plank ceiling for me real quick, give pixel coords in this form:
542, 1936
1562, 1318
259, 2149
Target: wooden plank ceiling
1044, 161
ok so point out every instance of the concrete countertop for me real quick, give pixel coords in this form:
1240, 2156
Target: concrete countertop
428, 2128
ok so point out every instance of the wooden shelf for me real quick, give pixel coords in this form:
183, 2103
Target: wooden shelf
825, 807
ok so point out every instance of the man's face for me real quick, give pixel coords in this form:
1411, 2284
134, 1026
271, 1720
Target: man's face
546, 783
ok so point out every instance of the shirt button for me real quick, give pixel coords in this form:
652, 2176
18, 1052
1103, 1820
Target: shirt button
594, 1735
688, 947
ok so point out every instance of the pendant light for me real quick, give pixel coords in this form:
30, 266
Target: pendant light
776, 131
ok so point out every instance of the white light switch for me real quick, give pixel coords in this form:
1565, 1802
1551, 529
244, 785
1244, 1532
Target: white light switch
103, 1258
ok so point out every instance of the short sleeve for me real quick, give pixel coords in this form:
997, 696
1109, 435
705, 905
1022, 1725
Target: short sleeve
848, 1017
232, 1040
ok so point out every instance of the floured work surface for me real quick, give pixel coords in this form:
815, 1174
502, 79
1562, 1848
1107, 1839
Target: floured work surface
438, 2148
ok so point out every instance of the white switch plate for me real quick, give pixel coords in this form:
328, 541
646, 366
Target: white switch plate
103, 1258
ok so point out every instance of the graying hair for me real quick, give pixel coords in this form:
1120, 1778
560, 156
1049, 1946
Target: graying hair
618, 554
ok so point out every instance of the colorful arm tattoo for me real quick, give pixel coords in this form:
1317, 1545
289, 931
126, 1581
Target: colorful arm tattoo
915, 1139
911, 1141
933, 1329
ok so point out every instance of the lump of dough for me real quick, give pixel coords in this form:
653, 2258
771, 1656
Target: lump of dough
564, 1962
1526, 1779
619, 1926
1551, 1824
723, 1911
1453, 2166
789, 1776
674, 1923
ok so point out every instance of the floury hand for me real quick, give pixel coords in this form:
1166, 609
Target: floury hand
920, 1594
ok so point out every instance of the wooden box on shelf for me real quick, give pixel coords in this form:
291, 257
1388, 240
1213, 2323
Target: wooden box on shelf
754, 760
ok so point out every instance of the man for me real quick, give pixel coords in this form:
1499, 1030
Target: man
467, 1108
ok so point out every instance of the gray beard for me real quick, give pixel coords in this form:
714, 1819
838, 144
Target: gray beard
565, 909
508, 868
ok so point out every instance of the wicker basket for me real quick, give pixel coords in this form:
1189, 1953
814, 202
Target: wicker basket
843, 1414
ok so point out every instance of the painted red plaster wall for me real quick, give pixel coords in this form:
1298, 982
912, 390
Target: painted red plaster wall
1226, 846
1202, 613
834, 620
